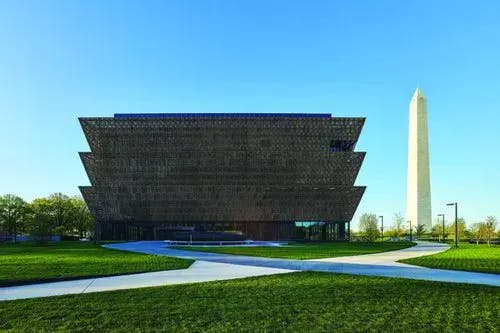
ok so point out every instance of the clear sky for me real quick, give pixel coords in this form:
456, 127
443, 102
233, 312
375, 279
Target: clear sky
64, 59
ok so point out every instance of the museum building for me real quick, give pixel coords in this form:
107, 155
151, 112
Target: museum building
260, 176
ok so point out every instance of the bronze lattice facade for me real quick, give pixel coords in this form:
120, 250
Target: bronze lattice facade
268, 176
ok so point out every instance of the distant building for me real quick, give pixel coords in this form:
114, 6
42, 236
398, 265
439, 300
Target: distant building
266, 176
418, 197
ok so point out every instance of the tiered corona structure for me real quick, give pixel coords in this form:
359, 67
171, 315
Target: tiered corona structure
267, 176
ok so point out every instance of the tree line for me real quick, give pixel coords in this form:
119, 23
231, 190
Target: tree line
57, 214
484, 231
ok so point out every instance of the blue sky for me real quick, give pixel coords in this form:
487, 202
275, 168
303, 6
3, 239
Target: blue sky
64, 59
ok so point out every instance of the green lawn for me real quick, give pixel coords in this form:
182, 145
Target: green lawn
468, 257
295, 302
305, 250
27, 263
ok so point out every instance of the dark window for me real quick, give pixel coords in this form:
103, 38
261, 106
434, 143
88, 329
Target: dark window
341, 145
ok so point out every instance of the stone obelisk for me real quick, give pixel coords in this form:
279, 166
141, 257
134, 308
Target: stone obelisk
418, 195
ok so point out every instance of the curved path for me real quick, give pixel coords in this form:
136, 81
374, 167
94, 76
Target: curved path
200, 271
392, 257
377, 264
214, 266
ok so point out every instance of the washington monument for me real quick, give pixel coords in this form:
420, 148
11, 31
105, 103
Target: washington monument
418, 196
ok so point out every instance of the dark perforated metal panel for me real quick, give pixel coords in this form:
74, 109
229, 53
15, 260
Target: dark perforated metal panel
147, 170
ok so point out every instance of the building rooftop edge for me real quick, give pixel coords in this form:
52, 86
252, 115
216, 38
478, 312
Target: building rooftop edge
222, 115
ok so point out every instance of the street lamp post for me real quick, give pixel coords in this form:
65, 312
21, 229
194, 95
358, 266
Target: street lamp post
456, 221
442, 215
411, 238
382, 219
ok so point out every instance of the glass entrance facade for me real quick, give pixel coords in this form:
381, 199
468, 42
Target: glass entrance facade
272, 231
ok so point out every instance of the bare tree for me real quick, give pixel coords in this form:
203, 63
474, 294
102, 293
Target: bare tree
397, 228
477, 229
462, 226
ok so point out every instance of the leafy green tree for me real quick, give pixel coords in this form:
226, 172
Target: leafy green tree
60, 230
41, 222
61, 211
13, 211
368, 225
83, 221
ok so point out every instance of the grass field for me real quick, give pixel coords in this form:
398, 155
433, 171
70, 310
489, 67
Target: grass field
295, 302
305, 250
468, 257
27, 263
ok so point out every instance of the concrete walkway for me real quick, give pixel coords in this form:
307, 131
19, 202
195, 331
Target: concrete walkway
200, 271
379, 264
213, 266
392, 257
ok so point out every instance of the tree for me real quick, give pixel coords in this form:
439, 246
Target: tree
60, 230
490, 226
435, 232
461, 228
41, 222
83, 221
420, 230
13, 211
61, 211
397, 228
368, 225
478, 230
